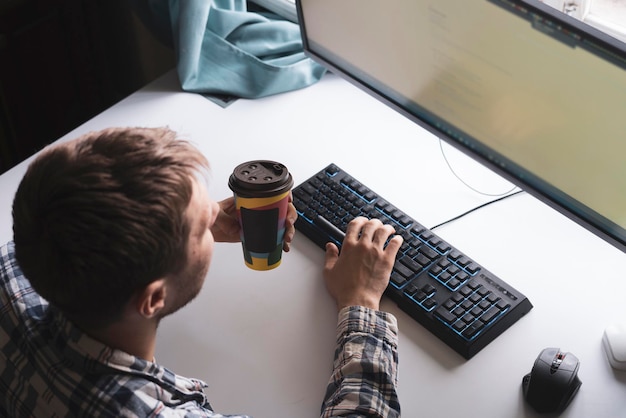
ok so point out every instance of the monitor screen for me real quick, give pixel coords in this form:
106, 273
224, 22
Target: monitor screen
532, 93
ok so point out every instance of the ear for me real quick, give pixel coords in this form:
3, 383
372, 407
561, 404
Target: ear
152, 299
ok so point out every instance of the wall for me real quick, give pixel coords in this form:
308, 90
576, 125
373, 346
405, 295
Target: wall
64, 61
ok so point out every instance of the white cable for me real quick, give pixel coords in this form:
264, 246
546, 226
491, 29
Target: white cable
443, 153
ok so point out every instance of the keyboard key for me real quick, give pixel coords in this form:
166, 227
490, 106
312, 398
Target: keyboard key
429, 289
490, 314
445, 315
397, 279
411, 264
420, 296
429, 303
472, 330
332, 170
403, 270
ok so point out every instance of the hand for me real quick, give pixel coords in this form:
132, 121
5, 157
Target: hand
360, 274
227, 229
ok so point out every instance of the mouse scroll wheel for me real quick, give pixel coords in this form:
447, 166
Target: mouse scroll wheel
557, 362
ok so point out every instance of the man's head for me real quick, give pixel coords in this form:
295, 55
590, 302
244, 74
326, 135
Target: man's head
97, 219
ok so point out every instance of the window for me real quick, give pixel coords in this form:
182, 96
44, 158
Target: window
608, 16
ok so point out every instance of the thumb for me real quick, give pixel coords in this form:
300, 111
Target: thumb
229, 224
226, 228
332, 254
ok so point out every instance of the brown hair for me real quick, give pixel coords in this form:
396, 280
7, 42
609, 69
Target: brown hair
98, 218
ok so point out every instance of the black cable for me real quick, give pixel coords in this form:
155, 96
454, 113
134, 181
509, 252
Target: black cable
476, 208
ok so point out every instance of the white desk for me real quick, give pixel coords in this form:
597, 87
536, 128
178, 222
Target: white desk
264, 340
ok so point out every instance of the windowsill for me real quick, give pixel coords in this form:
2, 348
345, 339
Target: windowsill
606, 26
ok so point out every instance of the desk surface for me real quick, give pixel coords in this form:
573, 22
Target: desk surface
264, 341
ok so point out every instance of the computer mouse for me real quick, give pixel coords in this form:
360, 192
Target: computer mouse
614, 343
553, 381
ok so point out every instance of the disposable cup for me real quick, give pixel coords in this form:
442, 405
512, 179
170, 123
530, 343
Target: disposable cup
262, 190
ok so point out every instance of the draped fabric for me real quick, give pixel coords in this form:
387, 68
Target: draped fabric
223, 48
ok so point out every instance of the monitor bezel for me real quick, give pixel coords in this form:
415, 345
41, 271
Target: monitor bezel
558, 200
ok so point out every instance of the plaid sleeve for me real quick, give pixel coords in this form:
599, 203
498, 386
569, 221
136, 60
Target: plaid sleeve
364, 378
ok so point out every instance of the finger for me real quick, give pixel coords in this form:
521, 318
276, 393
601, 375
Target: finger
292, 214
354, 228
382, 234
394, 244
292, 217
369, 229
290, 222
289, 234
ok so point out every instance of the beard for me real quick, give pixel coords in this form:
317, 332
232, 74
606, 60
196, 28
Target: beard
186, 285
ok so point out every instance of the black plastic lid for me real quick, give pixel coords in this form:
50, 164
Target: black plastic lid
260, 178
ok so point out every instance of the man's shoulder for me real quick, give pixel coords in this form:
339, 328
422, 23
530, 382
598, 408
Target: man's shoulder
12, 279
8, 263
18, 300
102, 393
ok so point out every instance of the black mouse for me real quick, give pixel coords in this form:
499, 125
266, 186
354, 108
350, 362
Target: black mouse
553, 381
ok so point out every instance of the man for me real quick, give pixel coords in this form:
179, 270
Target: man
115, 230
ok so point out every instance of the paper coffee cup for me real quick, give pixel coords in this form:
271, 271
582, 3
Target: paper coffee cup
261, 189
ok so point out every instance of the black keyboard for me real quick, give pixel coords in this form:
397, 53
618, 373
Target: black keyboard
453, 296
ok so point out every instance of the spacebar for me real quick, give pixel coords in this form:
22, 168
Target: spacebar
329, 228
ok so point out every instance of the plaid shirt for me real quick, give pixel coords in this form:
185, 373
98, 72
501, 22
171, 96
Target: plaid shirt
48, 367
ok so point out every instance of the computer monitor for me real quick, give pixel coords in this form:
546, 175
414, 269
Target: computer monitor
537, 96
